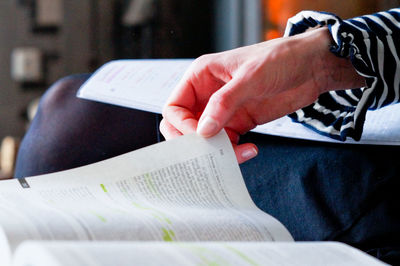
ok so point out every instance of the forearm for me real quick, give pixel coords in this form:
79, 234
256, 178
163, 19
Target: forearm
312, 62
329, 71
369, 43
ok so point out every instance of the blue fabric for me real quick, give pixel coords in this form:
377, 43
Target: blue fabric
68, 132
329, 191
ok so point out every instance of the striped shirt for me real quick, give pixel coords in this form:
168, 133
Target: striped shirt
370, 43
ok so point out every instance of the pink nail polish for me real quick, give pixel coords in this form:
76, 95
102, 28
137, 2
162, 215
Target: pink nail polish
249, 153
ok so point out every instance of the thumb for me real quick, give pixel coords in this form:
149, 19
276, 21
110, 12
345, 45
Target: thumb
220, 108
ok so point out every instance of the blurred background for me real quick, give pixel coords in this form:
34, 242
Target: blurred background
42, 41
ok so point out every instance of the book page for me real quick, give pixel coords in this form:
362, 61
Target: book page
186, 189
202, 253
140, 84
381, 127
146, 85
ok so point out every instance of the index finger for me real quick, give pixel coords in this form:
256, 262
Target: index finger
179, 108
189, 98
181, 118
183, 94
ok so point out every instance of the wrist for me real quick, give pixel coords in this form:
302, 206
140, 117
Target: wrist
328, 71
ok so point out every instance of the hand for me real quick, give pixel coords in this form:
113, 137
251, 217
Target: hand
249, 86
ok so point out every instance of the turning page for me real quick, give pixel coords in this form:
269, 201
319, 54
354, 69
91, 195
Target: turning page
184, 253
146, 85
186, 189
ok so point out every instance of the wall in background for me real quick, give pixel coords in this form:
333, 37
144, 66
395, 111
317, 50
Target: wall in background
81, 43
92, 32
244, 22
277, 12
237, 23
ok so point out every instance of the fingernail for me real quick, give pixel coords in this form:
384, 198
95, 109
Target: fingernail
249, 153
207, 127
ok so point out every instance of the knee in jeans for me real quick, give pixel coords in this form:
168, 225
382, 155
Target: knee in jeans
59, 94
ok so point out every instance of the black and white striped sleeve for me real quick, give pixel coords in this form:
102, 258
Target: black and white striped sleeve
372, 43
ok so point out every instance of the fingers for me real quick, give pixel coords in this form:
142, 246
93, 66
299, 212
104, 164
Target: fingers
180, 118
221, 107
183, 95
168, 131
245, 152
189, 98
233, 135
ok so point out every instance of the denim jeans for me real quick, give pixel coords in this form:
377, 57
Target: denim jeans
329, 191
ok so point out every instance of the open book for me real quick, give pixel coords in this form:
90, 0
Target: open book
179, 202
146, 85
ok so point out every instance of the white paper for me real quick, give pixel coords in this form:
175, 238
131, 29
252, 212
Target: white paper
186, 189
382, 127
189, 253
146, 85
140, 84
